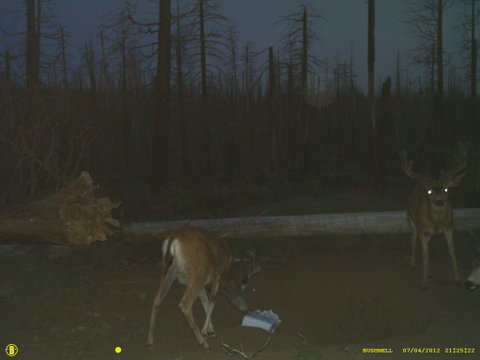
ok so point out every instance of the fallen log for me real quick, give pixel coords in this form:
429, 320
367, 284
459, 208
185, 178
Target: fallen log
388, 222
71, 216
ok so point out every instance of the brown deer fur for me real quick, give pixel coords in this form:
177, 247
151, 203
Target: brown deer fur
203, 263
429, 211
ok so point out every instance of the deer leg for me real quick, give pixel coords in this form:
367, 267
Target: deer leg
165, 284
451, 249
425, 258
414, 245
208, 305
186, 307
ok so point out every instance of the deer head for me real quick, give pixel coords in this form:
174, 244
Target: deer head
234, 289
437, 189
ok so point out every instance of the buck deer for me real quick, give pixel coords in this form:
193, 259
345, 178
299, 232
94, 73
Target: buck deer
429, 211
203, 262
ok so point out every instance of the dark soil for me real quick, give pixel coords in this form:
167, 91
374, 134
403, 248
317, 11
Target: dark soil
335, 296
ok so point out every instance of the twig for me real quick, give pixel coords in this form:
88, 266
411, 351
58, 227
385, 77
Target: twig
301, 337
262, 348
241, 353
231, 351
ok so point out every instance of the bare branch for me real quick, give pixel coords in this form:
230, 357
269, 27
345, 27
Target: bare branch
241, 353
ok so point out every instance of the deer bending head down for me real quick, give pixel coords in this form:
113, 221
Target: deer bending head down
202, 262
429, 211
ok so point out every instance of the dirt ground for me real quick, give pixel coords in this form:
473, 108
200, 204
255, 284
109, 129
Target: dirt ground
335, 296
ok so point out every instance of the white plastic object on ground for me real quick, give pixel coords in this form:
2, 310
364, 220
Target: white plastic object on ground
266, 320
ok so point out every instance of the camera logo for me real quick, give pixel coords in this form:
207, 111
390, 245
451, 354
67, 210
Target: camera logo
11, 350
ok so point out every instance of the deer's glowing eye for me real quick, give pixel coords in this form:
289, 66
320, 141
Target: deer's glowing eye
445, 189
429, 192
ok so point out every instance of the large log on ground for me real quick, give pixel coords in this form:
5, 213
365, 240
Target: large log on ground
71, 216
389, 222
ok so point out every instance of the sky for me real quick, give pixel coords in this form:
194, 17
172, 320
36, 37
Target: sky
342, 31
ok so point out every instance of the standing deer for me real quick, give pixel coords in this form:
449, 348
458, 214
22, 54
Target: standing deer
203, 262
429, 211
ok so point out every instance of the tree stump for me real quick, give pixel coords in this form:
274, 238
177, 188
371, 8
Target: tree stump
71, 216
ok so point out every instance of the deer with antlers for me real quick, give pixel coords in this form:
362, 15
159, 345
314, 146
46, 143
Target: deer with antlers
203, 263
429, 211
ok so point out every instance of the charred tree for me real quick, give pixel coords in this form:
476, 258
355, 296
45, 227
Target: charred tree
469, 49
161, 124
299, 38
231, 143
473, 68
426, 18
33, 59
206, 125
92, 71
33, 43
440, 139
208, 45
126, 116
179, 53
371, 87
384, 136
272, 86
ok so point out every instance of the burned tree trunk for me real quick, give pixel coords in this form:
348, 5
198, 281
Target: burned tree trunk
161, 125
33, 43
383, 136
371, 85
272, 77
72, 216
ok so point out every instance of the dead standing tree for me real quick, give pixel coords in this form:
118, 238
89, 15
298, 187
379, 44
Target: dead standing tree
206, 52
426, 19
33, 43
469, 50
127, 48
384, 135
41, 34
371, 89
161, 124
161, 28
272, 104
301, 34
179, 40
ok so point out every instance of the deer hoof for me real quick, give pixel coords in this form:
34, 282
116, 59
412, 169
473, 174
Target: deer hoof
205, 346
208, 334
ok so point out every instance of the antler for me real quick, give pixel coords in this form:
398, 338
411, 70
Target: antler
407, 168
254, 267
456, 173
